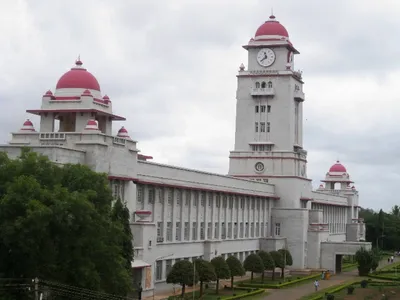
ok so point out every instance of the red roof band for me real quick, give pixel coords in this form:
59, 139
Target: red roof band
271, 27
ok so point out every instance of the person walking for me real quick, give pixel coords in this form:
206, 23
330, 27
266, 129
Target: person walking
316, 285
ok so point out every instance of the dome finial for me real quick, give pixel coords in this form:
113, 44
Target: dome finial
78, 61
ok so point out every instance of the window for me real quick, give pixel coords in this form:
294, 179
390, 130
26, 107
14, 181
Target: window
216, 231
196, 198
257, 85
241, 202
140, 194
188, 197
268, 108
224, 201
269, 84
194, 231
235, 231
257, 108
178, 231
230, 202
262, 229
263, 85
223, 233
268, 127
203, 198
178, 197
159, 270
251, 229
209, 231
229, 230
253, 202
202, 233
262, 108
257, 229
169, 231
118, 190
256, 127
277, 228
262, 126
151, 195
241, 229
170, 196
218, 200
246, 232
159, 229
168, 266
236, 202
210, 199
186, 231
161, 195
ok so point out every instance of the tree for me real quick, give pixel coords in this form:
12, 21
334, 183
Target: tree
268, 263
221, 270
254, 264
183, 273
287, 259
120, 215
278, 259
206, 272
235, 267
365, 261
55, 224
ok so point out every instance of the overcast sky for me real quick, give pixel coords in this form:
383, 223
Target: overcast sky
170, 67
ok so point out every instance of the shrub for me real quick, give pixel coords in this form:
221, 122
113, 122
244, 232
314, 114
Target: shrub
364, 283
330, 297
350, 290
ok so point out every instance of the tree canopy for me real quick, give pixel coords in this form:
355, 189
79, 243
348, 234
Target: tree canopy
235, 266
286, 255
183, 273
221, 269
56, 224
278, 259
206, 272
254, 264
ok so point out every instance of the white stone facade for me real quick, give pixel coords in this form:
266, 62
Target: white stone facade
266, 202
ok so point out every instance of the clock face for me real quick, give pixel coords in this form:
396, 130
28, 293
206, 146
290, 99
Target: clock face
259, 167
266, 57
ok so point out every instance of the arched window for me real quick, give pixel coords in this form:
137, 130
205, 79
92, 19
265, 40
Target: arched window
269, 84
257, 85
263, 85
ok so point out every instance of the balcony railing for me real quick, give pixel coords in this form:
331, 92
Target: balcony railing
318, 227
298, 95
262, 92
52, 136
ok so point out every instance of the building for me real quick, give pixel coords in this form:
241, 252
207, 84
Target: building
265, 202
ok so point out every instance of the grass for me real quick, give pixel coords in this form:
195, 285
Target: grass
223, 293
279, 282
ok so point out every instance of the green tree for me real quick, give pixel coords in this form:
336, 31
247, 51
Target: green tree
221, 270
206, 272
365, 261
184, 274
287, 258
235, 267
278, 259
254, 264
58, 230
268, 263
120, 215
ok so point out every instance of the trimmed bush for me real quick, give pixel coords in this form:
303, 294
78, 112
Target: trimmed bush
280, 284
350, 290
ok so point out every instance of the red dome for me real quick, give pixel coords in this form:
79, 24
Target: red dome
338, 167
78, 78
272, 27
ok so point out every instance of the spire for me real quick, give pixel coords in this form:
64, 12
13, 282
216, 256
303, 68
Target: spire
92, 126
27, 127
123, 133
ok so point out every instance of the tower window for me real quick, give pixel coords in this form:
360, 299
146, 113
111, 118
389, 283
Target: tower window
268, 108
263, 85
268, 126
269, 84
262, 126
262, 108
257, 108
256, 127
257, 85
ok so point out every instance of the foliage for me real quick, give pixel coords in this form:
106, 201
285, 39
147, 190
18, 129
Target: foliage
183, 273
286, 254
365, 260
221, 269
350, 290
239, 293
268, 262
235, 267
254, 264
281, 284
278, 259
55, 224
120, 215
206, 272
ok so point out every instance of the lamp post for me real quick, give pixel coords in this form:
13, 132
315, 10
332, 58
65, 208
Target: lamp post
154, 272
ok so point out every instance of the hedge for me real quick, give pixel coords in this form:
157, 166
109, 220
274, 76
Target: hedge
278, 286
385, 277
253, 292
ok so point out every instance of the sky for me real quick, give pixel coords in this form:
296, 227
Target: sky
170, 68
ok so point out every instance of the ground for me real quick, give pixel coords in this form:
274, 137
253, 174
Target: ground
373, 293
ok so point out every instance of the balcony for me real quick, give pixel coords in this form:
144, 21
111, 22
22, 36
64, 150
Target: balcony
262, 92
298, 95
318, 227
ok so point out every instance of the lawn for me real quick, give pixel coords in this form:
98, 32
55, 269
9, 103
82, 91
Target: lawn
278, 279
370, 293
223, 293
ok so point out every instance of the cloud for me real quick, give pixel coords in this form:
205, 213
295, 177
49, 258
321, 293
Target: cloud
170, 67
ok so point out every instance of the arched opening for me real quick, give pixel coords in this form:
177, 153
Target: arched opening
257, 85
336, 186
263, 85
269, 84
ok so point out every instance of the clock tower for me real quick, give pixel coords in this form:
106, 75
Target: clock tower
269, 112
